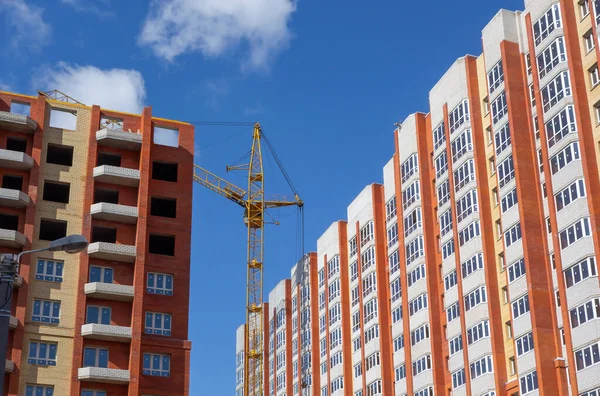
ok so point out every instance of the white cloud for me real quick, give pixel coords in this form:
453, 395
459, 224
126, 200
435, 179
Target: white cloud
25, 28
98, 7
116, 89
214, 27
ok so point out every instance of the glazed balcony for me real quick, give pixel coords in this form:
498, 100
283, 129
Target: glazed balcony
15, 160
114, 212
103, 375
17, 122
109, 291
112, 251
95, 331
13, 198
117, 175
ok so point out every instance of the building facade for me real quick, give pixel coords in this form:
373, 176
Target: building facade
472, 270
112, 320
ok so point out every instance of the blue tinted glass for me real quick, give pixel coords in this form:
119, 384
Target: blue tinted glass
169, 282
156, 362
167, 322
87, 393
89, 357
108, 275
49, 391
37, 307
103, 358
46, 308
160, 281
43, 353
59, 269
92, 314
148, 320
146, 360
56, 310
157, 321
40, 275
150, 280
95, 273
166, 362
39, 391
52, 354
50, 268
33, 349
106, 316
29, 390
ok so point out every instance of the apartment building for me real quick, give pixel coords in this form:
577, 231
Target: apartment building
472, 269
112, 320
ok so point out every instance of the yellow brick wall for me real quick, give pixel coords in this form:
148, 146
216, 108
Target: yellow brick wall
65, 292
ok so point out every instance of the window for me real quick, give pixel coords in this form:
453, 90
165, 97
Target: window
593, 392
536, 127
156, 365
159, 324
416, 274
499, 108
560, 125
580, 271
455, 344
337, 384
551, 56
564, 157
412, 222
469, 232
335, 338
574, 232
524, 344
390, 209
556, 90
417, 304
520, 306
450, 280
594, 75
495, 77
166, 136
336, 359
446, 222
63, 119
410, 195
414, 250
584, 10
502, 139
588, 39
395, 291
466, 205
425, 392
371, 333
352, 246
587, 356
400, 372
477, 332
441, 165
452, 312
369, 310
95, 357
368, 258
472, 264
546, 24
356, 344
481, 366
461, 145
422, 364
458, 378
597, 112
475, 298
59, 155
374, 388
56, 192
323, 323
532, 95
439, 137
409, 167
163, 207
366, 233
164, 171
492, 163
52, 229
42, 353
49, 270
529, 383
448, 249
419, 334
44, 390
443, 193
98, 315
516, 270
585, 312
162, 244
512, 235
354, 295
334, 313
569, 194
464, 175
459, 115
46, 311
398, 343
397, 315
392, 235
322, 277
506, 171
333, 267
509, 200
159, 284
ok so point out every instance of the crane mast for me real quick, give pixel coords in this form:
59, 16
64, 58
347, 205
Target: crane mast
254, 203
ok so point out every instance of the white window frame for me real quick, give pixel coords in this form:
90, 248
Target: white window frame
546, 24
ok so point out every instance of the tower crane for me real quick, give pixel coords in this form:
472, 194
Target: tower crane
255, 204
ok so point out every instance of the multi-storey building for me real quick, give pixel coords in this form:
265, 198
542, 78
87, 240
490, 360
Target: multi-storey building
473, 269
112, 320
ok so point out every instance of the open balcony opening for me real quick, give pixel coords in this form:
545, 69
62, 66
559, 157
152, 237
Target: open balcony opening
109, 196
104, 234
56, 192
162, 244
52, 229
16, 144
9, 222
59, 155
163, 207
164, 171
109, 159
12, 182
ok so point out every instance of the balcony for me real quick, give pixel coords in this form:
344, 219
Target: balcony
17, 122
18, 282
15, 160
103, 375
114, 212
117, 175
94, 331
109, 291
119, 139
11, 238
13, 198
13, 322
112, 251
10, 366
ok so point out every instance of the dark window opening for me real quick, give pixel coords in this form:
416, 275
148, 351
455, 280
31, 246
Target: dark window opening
15, 144
110, 196
164, 171
56, 192
163, 207
52, 229
9, 222
104, 234
161, 244
12, 182
59, 155
109, 159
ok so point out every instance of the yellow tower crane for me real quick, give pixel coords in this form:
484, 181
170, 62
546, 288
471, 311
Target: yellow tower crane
255, 204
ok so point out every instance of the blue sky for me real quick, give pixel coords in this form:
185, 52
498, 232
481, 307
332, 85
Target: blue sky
326, 79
